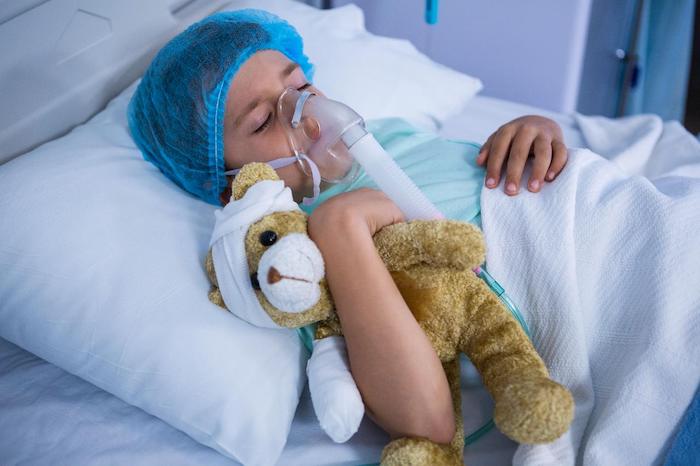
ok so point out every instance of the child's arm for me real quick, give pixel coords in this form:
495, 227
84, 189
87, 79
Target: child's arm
515, 142
399, 375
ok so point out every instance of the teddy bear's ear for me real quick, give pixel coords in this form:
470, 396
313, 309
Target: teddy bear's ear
250, 174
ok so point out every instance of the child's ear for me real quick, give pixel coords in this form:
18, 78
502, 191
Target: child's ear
250, 174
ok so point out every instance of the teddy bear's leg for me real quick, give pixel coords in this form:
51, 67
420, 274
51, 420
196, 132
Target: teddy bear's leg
422, 452
529, 406
418, 452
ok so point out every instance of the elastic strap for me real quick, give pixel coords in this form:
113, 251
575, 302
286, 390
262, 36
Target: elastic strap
277, 163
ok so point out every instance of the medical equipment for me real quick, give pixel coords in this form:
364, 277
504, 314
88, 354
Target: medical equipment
329, 140
431, 11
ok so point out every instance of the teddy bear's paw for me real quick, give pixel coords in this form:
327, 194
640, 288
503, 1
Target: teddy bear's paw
418, 452
341, 412
535, 410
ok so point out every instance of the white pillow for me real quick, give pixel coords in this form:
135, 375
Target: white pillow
377, 76
102, 275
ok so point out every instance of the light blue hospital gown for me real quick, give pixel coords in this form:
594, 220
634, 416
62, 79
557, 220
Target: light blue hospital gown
445, 170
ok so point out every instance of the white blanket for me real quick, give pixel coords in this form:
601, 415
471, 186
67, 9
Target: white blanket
605, 265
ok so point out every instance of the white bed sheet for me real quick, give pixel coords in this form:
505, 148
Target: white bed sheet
48, 416
612, 289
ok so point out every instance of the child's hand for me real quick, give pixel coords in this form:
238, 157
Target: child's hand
516, 141
363, 207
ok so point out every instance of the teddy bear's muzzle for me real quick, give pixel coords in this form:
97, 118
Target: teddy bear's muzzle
289, 273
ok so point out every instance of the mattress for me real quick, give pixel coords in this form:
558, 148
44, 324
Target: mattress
48, 416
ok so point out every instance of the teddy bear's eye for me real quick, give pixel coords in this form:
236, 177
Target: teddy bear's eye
268, 238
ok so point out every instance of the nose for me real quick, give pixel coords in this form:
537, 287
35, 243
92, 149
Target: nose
312, 129
273, 276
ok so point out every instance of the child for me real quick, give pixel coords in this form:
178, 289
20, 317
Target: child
208, 104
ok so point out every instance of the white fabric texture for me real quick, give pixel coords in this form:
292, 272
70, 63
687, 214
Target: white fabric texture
604, 265
103, 275
228, 247
261, 199
642, 145
378, 77
89, 426
335, 396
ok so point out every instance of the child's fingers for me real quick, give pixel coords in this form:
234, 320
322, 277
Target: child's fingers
559, 159
484, 151
519, 152
497, 154
543, 158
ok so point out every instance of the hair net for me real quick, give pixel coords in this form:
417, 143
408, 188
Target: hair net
176, 114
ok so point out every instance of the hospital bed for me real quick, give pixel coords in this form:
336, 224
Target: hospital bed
48, 415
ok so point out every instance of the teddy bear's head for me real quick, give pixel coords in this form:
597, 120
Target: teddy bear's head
263, 266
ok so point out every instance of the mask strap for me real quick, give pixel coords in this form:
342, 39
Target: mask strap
277, 163
283, 162
315, 176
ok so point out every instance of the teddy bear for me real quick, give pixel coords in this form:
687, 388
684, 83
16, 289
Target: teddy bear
265, 269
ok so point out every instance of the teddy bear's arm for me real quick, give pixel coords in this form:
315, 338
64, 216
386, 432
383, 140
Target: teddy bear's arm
439, 243
329, 328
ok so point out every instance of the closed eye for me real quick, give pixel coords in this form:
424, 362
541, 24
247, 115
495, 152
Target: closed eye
268, 121
265, 124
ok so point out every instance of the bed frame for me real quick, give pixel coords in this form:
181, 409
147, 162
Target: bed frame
61, 61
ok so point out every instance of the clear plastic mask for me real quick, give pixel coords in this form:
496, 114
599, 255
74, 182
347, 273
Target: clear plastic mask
314, 126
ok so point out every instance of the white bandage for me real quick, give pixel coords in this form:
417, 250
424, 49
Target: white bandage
334, 394
228, 247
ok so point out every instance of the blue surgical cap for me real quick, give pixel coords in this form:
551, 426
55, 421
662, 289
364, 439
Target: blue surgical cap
176, 115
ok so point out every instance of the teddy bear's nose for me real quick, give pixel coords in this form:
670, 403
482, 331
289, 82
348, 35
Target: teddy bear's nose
273, 276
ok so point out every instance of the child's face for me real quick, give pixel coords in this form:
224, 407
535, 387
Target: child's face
252, 132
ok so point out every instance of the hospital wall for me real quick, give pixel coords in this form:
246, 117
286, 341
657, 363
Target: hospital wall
554, 54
